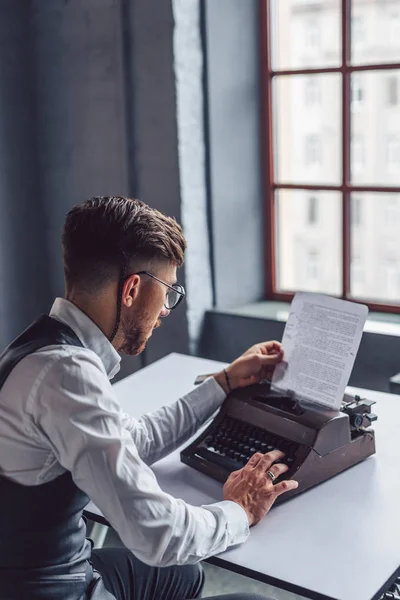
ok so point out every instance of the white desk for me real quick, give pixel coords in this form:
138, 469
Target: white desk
337, 541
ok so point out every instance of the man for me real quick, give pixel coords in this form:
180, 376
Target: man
64, 438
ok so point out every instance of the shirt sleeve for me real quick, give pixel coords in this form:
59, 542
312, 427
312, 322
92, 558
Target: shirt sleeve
76, 412
159, 433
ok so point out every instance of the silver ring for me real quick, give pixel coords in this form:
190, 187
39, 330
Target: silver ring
271, 475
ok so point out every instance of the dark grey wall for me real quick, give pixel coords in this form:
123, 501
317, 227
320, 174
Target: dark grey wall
231, 35
226, 336
79, 93
87, 108
24, 264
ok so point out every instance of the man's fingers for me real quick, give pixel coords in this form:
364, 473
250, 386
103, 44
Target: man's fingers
258, 363
255, 459
284, 486
273, 347
268, 459
267, 360
265, 462
268, 347
234, 475
278, 470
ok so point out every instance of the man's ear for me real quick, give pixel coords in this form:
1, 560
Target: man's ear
130, 290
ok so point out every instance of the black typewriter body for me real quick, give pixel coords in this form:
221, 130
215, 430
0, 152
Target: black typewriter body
318, 443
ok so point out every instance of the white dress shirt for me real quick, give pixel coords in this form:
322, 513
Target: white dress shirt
58, 412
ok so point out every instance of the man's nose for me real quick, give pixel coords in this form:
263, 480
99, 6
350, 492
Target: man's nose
165, 312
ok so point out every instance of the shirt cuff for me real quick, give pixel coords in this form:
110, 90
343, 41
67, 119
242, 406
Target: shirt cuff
237, 523
206, 399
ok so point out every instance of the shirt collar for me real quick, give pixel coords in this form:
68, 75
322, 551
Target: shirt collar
88, 332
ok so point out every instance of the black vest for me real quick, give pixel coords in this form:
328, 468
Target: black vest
42, 532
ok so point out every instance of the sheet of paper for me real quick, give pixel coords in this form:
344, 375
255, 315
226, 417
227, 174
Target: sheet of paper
320, 342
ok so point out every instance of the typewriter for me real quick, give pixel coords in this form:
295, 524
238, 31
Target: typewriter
318, 443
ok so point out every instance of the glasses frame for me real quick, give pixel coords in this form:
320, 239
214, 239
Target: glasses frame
179, 289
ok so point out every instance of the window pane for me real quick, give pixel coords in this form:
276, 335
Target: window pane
375, 128
307, 142
305, 34
357, 92
375, 31
375, 248
309, 241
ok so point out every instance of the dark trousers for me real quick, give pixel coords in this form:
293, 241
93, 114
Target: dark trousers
127, 578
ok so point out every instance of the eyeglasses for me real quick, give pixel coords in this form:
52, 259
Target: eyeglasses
175, 294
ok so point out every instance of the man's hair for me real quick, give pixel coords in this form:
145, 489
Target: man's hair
106, 232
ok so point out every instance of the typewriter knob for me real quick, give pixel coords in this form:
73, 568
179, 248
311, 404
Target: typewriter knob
357, 420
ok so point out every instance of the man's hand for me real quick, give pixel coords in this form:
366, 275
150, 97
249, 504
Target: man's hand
258, 362
253, 489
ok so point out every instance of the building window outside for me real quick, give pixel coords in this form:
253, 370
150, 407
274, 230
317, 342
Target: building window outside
393, 152
357, 153
391, 279
313, 150
312, 34
394, 28
357, 271
312, 210
313, 266
357, 30
392, 212
312, 95
392, 90
355, 211
357, 92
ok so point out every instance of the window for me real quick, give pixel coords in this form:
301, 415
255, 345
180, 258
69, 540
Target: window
391, 279
357, 271
357, 30
392, 212
355, 211
357, 153
312, 95
312, 34
312, 210
392, 90
313, 266
357, 92
393, 153
329, 172
394, 28
312, 154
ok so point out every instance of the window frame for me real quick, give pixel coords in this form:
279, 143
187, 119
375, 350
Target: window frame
267, 76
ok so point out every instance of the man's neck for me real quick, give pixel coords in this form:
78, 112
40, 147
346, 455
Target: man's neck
97, 308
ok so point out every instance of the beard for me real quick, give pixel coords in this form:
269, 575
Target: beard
135, 335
